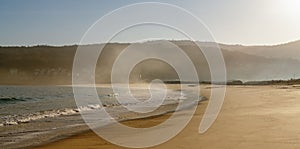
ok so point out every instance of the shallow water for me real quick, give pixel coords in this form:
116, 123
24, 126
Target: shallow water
32, 115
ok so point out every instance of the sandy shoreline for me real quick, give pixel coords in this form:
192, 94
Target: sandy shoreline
251, 117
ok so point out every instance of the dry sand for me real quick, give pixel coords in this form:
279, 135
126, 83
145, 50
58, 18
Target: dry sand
251, 117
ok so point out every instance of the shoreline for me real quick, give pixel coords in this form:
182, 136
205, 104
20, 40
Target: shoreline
128, 122
168, 108
90, 134
142, 122
251, 117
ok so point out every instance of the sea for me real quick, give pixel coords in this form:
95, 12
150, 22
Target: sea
35, 115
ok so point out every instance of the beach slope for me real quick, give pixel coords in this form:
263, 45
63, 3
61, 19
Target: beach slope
251, 117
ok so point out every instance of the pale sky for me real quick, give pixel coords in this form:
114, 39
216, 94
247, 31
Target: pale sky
63, 22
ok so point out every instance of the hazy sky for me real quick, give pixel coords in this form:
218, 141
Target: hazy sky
59, 22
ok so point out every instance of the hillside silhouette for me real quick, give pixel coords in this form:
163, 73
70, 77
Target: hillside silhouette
48, 65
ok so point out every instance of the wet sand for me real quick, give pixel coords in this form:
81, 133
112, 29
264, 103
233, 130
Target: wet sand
251, 117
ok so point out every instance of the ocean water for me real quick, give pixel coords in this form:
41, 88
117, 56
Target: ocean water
34, 115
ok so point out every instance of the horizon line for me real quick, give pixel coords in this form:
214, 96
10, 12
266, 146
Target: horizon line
172, 40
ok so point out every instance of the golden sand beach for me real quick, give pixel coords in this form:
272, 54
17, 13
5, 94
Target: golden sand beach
251, 117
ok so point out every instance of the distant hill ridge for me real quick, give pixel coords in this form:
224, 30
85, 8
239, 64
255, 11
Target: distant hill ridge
45, 64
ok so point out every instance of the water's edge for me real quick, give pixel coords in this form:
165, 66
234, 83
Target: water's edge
88, 129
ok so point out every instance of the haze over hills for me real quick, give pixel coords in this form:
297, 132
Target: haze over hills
288, 50
53, 65
268, 62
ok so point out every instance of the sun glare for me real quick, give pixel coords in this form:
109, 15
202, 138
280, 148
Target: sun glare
290, 7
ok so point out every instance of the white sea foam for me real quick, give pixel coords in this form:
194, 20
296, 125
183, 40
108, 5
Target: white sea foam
173, 98
17, 119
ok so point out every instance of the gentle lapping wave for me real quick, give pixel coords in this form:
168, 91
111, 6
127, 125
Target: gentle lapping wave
18, 119
12, 99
